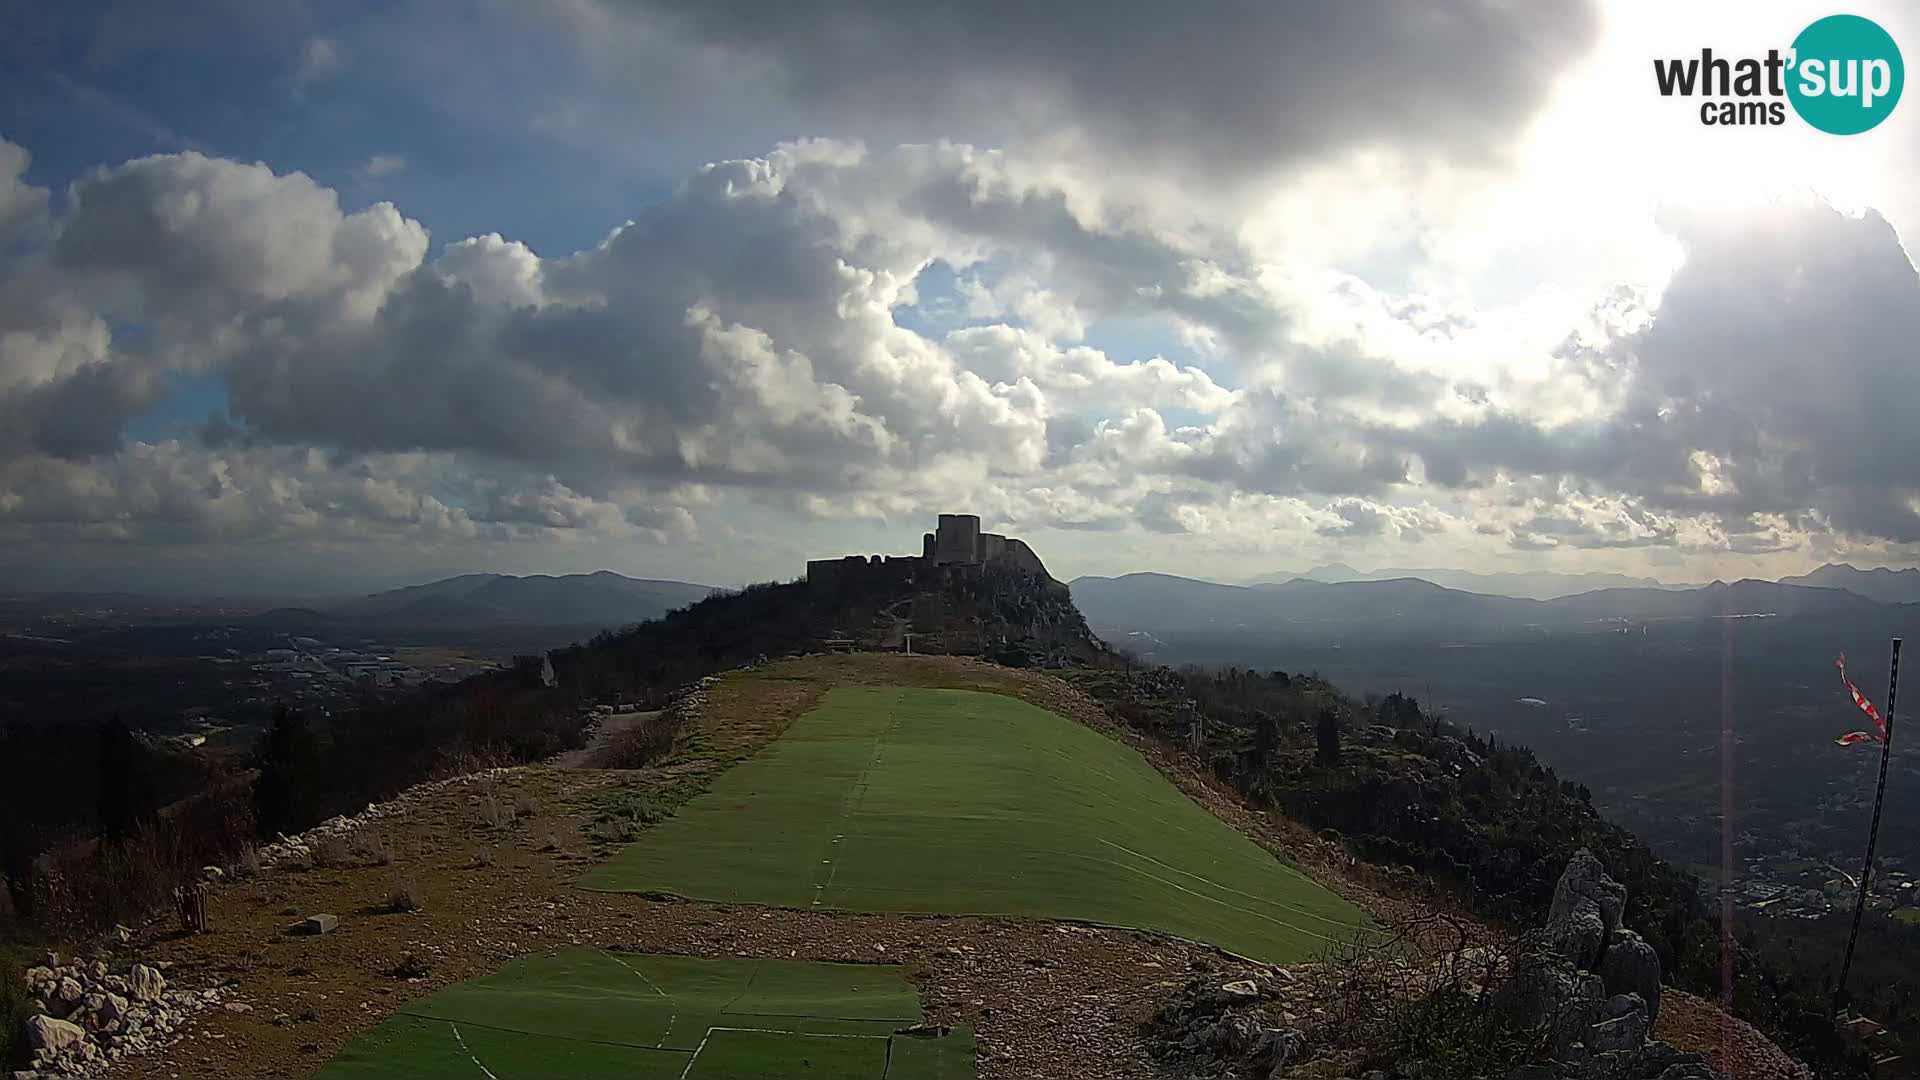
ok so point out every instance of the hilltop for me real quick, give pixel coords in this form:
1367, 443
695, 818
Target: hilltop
1399, 814
603, 598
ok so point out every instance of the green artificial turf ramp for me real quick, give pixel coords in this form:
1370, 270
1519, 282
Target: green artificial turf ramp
760, 1055
970, 803
587, 1013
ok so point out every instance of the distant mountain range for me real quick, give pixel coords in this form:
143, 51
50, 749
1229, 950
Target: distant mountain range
1880, 583
1525, 585
599, 599
1158, 603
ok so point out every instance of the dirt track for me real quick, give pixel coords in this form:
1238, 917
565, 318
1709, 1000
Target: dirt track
610, 726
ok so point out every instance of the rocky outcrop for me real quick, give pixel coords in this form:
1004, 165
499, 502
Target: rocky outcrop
1592, 988
89, 1016
1586, 911
1630, 966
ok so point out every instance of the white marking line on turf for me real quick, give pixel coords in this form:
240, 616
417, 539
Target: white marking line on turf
767, 1031
673, 1011
1216, 900
857, 792
1228, 888
470, 1054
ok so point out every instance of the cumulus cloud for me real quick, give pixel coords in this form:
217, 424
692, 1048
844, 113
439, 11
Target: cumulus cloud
378, 167
743, 335
177, 492
23, 207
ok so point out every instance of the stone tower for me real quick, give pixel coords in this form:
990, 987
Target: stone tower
957, 539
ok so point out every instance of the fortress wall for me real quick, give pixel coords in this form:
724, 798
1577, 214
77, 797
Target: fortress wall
832, 572
992, 547
1019, 555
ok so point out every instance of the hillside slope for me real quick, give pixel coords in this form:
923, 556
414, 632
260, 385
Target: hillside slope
1448, 817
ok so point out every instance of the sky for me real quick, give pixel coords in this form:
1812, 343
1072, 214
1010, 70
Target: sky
322, 297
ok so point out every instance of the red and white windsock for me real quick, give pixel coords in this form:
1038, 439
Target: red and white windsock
1866, 706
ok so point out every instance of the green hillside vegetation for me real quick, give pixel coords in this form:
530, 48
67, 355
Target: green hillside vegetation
586, 1013
955, 801
1485, 821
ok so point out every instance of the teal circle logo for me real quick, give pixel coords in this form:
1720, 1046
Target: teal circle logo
1846, 74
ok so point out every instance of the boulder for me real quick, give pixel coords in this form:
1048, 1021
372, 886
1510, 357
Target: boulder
146, 983
1628, 965
46, 1033
1238, 992
68, 994
1547, 993
1627, 1032
1587, 905
1277, 1047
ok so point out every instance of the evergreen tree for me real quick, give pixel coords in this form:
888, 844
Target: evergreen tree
286, 797
1266, 740
1328, 734
126, 796
16, 858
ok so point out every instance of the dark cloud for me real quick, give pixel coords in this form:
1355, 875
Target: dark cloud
1200, 90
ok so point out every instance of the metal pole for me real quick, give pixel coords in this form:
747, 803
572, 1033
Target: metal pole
1873, 832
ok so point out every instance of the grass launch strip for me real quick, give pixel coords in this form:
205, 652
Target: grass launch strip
585, 1013
961, 802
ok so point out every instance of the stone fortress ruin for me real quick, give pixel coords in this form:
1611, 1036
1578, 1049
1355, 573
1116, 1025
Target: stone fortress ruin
956, 542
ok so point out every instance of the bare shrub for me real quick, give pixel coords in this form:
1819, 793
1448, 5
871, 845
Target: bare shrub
493, 812
482, 858
248, 865
550, 843
465, 760
1425, 992
523, 805
614, 831
404, 897
81, 890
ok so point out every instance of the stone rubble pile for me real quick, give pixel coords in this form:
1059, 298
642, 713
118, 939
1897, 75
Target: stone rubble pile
87, 1016
1224, 1025
300, 847
689, 701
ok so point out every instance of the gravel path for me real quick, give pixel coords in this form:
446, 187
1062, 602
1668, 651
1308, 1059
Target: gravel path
610, 725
